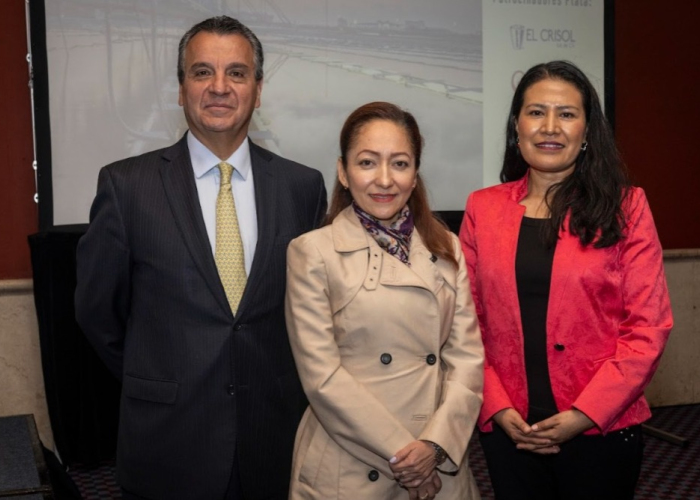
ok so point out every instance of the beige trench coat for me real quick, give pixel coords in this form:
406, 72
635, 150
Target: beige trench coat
387, 354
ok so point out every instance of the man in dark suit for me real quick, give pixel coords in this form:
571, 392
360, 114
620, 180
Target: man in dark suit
211, 399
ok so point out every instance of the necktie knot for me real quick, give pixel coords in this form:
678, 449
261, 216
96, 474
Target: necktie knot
225, 169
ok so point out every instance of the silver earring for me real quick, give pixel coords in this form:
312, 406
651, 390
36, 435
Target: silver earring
517, 140
584, 146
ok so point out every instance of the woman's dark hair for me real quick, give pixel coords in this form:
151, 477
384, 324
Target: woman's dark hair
434, 232
594, 193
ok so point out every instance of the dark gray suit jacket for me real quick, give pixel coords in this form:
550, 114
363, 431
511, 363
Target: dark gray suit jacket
198, 383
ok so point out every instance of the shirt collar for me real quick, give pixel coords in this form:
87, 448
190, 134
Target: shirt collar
204, 160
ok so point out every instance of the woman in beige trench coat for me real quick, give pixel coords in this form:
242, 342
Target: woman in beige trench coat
383, 330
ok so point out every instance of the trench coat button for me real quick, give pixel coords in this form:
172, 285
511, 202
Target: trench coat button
559, 347
385, 358
238, 328
231, 390
431, 359
373, 475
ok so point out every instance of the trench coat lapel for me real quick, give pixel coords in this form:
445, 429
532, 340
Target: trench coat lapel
363, 254
180, 188
352, 242
422, 272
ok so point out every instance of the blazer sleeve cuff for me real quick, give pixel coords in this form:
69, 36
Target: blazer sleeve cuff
495, 399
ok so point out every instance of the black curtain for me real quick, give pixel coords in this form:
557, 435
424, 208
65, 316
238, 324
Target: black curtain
82, 395
453, 219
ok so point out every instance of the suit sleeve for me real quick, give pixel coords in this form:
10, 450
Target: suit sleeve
354, 418
453, 422
102, 293
321, 204
495, 396
644, 327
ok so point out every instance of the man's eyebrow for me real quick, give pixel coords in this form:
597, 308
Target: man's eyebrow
199, 65
202, 64
238, 65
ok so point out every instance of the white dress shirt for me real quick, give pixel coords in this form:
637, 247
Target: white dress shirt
206, 174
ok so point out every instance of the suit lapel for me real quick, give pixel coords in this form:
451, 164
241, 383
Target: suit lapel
266, 211
180, 188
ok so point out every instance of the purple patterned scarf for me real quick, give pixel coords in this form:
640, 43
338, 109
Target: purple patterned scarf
395, 239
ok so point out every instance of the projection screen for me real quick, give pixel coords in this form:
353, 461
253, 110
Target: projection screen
112, 86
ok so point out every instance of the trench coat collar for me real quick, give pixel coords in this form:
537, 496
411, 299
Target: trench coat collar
348, 233
426, 271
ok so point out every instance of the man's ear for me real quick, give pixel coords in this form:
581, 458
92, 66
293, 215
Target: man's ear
258, 86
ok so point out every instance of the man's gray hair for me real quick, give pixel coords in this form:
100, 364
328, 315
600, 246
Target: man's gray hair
221, 25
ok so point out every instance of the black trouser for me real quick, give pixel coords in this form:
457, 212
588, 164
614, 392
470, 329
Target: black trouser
233, 490
587, 467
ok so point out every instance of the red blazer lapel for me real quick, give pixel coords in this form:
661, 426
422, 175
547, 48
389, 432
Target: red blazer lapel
567, 258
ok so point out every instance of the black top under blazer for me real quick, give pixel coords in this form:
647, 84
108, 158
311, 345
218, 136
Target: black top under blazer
198, 383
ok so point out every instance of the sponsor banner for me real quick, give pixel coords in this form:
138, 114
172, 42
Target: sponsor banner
518, 34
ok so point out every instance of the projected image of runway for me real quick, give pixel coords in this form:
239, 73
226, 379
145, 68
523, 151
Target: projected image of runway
114, 91
318, 88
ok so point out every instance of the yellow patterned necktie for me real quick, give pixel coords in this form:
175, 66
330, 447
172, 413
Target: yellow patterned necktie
229, 246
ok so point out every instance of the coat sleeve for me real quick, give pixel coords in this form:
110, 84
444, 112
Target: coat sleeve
644, 327
453, 422
495, 396
102, 294
351, 415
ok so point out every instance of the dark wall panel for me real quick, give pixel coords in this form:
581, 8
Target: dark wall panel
657, 108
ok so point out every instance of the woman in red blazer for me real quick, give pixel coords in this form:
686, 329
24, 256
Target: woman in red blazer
567, 276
